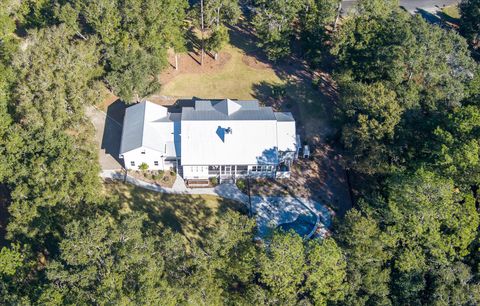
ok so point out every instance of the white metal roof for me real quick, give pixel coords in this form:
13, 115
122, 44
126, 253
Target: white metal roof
211, 133
235, 133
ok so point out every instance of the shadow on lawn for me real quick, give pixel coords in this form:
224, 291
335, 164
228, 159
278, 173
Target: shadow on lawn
188, 215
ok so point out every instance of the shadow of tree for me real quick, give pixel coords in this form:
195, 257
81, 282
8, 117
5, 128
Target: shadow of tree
189, 215
4, 215
448, 18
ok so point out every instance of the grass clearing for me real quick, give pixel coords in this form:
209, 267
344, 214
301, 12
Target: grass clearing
190, 215
452, 11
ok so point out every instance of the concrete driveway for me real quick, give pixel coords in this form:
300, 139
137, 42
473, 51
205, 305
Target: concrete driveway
108, 133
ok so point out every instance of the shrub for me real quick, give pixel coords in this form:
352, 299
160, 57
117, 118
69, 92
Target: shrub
241, 184
213, 181
143, 166
158, 175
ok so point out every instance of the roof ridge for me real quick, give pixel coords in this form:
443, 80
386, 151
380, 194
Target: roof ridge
143, 122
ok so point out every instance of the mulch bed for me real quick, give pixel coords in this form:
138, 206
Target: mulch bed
161, 178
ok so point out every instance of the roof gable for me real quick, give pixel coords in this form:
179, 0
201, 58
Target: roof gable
227, 110
146, 125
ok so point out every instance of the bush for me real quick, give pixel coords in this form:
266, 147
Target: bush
213, 181
241, 184
158, 175
143, 167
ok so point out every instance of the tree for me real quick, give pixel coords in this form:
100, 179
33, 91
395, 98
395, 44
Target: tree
54, 159
454, 285
455, 147
470, 20
428, 69
273, 22
371, 115
366, 250
221, 12
104, 261
134, 73
10, 261
315, 19
282, 267
217, 40
133, 42
326, 272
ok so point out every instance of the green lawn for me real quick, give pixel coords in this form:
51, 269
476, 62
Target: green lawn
451, 11
190, 215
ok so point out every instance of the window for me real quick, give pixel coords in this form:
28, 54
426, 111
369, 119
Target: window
213, 170
143, 152
132, 163
242, 169
155, 163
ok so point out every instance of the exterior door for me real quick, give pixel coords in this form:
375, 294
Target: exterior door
226, 170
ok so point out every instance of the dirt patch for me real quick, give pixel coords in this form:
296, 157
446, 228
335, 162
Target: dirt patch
110, 98
263, 187
161, 178
190, 63
256, 63
321, 177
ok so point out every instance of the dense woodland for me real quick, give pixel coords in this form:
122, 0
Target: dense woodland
408, 116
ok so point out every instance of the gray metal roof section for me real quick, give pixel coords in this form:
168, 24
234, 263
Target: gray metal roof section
227, 110
133, 123
146, 125
284, 116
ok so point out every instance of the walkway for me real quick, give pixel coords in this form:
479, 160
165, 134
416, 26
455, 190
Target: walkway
270, 212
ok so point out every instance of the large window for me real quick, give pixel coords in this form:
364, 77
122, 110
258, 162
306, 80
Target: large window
213, 170
242, 169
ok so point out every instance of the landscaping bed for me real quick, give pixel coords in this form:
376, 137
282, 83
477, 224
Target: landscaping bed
161, 178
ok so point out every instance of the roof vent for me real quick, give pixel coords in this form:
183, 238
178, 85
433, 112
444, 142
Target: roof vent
228, 130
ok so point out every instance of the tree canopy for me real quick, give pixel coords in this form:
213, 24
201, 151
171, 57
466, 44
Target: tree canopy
408, 119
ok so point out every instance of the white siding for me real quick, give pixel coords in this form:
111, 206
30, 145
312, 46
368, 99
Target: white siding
149, 158
195, 172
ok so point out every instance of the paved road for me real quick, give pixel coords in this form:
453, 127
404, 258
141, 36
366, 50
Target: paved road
410, 5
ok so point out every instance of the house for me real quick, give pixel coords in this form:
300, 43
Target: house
224, 139
150, 135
